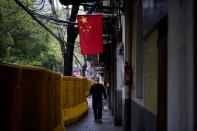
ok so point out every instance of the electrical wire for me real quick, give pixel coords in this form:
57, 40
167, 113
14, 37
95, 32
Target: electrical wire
42, 1
36, 19
56, 21
50, 18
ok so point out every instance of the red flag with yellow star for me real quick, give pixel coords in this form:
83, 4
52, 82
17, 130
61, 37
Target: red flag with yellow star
90, 33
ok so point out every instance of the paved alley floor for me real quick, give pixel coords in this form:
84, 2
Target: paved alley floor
88, 124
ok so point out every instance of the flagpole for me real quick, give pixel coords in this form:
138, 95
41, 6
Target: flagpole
98, 58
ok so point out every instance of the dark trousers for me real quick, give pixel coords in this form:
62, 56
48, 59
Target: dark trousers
97, 108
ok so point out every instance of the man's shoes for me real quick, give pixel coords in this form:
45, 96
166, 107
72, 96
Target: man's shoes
99, 120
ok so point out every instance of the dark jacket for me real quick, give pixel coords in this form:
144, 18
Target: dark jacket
96, 90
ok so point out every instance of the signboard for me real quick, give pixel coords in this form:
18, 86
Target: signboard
72, 2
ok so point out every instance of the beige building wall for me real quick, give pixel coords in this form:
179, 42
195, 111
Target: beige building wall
150, 72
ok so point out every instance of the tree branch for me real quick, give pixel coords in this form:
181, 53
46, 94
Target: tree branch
62, 45
33, 17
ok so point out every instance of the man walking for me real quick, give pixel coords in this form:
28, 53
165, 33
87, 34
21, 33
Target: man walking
97, 90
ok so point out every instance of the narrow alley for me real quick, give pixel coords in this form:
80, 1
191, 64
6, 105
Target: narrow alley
140, 55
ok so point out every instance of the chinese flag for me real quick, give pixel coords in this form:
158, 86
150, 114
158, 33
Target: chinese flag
90, 33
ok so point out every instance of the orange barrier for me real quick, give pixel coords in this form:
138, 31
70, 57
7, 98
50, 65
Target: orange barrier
37, 99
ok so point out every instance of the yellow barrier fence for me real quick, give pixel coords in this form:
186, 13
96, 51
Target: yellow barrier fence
37, 99
31, 99
75, 103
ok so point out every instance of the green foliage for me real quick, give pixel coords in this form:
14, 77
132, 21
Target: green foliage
23, 41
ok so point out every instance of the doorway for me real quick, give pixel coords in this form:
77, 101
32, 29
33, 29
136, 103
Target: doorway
162, 75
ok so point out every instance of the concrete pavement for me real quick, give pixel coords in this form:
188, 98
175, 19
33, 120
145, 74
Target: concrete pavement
88, 124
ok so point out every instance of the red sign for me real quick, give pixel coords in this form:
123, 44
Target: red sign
90, 33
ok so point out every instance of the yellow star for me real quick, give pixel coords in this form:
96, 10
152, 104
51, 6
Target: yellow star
84, 20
